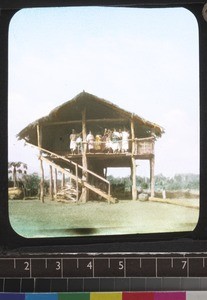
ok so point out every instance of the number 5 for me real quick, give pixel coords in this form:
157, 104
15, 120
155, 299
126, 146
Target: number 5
121, 265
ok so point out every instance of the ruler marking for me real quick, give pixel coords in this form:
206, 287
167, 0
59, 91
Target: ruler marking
93, 267
30, 269
184, 261
34, 284
20, 285
156, 266
46, 263
172, 263
99, 284
62, 273
3, 284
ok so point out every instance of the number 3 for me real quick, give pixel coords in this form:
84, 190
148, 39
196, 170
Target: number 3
58, 265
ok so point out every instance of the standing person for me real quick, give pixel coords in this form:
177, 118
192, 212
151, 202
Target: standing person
90, 141
103, 140
108, 142
115, 141
98, 141
163, 193
120, 141
73, 145
79, 143
125, 141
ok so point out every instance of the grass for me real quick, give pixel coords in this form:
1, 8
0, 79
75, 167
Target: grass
31, 218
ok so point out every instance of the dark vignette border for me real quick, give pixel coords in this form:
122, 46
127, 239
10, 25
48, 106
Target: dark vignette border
195, 241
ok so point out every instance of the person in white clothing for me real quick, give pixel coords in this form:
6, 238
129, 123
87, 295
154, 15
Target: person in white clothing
73, 145
79, 143
125, 141
115, 141
90, 140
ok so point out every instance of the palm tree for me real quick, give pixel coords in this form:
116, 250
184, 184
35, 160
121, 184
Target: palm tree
16, 167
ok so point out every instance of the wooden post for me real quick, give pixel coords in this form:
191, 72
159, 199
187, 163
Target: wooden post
70, 179
41, 181
39, 143
105, 172
133, 178
84, 194
77, 190
152, 176
132, 134
51, 183
55, 184
133, 163
63, 180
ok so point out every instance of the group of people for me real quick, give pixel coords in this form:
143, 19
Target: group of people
112, 141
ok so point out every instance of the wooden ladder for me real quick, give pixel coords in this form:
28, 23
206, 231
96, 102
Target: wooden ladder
79, 180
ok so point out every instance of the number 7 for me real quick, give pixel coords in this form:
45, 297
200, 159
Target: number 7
184, 262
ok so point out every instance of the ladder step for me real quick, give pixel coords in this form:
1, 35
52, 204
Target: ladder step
80, 181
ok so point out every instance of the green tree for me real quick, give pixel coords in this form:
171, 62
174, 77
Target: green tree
31, 184
16, 168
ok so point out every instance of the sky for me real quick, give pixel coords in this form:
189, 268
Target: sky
143, 60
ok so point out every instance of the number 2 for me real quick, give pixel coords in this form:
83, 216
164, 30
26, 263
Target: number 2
26, 268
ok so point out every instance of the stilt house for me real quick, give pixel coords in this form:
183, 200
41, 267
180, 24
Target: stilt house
88, 168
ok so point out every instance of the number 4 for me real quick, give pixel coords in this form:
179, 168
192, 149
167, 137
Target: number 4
90, 265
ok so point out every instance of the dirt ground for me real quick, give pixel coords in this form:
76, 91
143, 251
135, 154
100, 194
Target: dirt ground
31, 218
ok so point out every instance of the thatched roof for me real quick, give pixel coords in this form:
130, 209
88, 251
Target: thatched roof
96, 109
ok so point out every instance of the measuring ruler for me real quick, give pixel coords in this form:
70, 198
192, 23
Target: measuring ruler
111, 272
